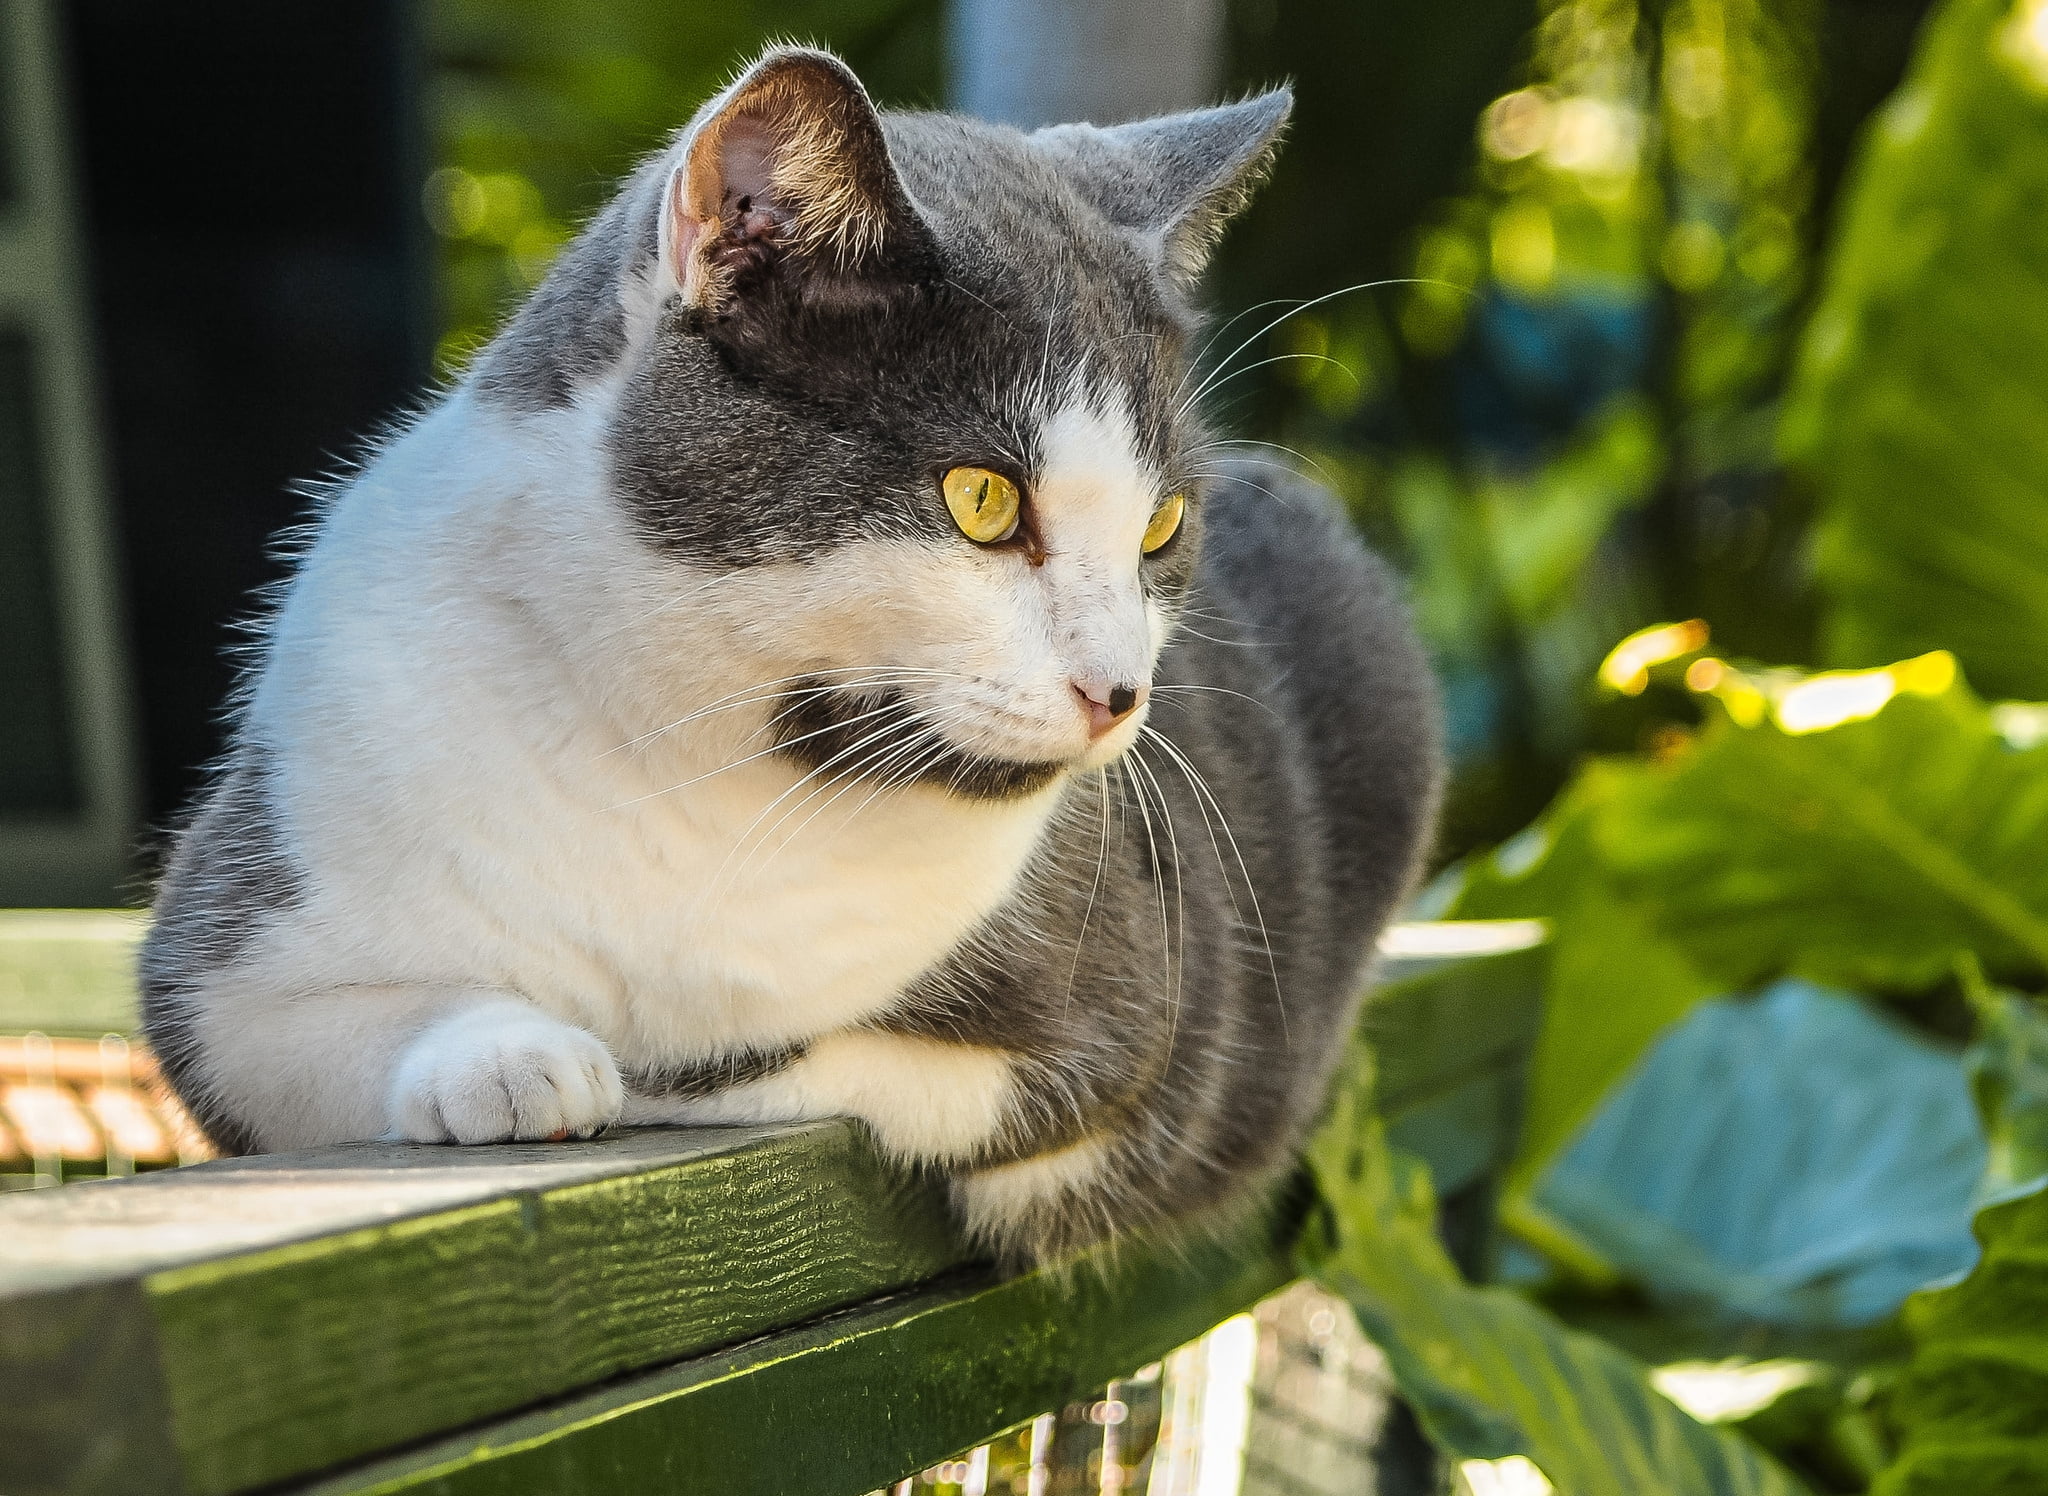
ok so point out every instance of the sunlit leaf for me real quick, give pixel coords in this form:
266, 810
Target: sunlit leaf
1614, 983
1871, 854
1921, 405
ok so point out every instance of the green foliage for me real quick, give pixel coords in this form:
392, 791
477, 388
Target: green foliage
1972, 1407
2008, 1065
1920, 410
1868, 830
1489, 1374
1872, 854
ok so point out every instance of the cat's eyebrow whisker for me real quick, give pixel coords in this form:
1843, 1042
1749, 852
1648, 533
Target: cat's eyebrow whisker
1217, 381
1236, 317
1316, 301
1296, 453
964, 291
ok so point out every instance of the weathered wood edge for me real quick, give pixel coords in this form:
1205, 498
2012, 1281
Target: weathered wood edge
854, 1402
269, 1364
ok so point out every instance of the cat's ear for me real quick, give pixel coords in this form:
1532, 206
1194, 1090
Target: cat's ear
788, 161
1179, 177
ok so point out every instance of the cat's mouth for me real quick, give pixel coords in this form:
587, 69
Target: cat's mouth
842, 735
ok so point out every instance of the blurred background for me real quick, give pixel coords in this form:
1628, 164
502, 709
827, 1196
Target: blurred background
1688, 357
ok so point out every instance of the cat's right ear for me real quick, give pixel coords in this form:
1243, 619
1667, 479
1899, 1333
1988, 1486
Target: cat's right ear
787, 166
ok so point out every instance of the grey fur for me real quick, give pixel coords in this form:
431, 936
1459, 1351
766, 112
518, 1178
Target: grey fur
228, 877
1181, 990
1180, 967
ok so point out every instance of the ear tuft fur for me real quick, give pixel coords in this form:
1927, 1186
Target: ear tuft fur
1182, 177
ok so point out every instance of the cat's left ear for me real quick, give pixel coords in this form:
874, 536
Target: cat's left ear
1179, 177
787, 163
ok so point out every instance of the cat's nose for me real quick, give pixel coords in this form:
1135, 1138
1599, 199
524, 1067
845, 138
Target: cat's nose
1107, 704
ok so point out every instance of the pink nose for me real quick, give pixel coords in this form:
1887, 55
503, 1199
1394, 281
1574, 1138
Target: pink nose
1107, 705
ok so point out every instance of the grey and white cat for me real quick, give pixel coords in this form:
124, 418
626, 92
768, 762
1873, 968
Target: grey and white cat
818, 663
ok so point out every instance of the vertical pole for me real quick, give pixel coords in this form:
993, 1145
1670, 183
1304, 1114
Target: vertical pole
1040, 62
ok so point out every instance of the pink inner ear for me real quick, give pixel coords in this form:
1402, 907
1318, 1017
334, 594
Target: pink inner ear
746, 150
727, 196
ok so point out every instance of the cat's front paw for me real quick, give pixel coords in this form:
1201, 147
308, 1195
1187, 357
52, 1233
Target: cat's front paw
500, 1072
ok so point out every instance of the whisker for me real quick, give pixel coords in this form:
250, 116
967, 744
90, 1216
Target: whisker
1201, 787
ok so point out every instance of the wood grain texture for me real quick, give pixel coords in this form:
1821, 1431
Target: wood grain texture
300, 1311
851, 1404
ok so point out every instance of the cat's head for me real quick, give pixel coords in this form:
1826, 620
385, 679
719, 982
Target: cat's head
932, 380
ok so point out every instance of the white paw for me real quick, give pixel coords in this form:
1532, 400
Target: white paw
503, 1071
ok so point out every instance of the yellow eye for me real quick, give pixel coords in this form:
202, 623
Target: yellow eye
984, 504
1165, 522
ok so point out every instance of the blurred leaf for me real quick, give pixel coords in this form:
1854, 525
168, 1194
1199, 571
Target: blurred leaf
1873, 853
2008, 1066
1921, 403
1972, 1406
1489, 1374
1614, 983
1796, 1159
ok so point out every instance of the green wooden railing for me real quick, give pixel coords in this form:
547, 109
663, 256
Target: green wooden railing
735, 1310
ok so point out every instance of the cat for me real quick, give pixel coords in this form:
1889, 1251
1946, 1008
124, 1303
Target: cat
816, 662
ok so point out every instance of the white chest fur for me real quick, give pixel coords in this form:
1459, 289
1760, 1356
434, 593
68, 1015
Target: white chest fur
513, 747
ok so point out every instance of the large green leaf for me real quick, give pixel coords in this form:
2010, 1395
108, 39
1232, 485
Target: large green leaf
1489, 1374
1972, 1407
1874, 853
1920, 407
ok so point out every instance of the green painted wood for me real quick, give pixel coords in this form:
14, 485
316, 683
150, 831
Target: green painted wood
302, 1310
852, 1404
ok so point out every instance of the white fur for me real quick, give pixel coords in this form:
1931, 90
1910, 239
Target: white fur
923, 1100
991, 1197
519, 759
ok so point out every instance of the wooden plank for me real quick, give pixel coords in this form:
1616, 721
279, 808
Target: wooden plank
853, 1403
302, 1310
